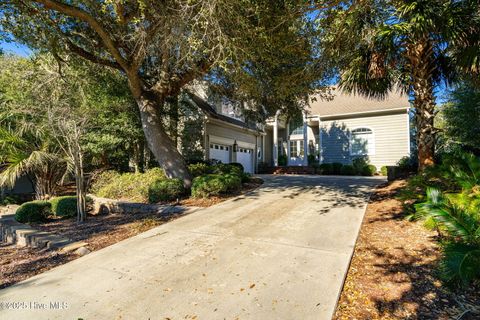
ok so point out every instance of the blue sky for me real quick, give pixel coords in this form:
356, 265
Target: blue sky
15, 48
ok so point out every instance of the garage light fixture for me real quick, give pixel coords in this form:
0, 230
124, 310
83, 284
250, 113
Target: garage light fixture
235, 146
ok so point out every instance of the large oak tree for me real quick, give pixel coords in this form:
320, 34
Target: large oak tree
160, 46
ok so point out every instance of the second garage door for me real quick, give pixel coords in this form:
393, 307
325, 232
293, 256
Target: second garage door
245, 157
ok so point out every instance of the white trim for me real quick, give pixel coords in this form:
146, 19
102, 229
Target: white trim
370, 148
229, 142
361, 112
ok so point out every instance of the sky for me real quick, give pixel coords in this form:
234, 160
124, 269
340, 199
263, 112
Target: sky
15, 48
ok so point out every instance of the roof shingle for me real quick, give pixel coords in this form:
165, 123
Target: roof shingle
344, 103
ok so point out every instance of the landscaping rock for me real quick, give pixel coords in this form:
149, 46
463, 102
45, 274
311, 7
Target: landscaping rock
82, 251
110, 206
74, 246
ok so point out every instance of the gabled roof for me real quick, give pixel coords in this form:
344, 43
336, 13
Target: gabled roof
343, 104
211, 112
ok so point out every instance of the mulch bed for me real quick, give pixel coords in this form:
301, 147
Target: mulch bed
393, 270
17, 264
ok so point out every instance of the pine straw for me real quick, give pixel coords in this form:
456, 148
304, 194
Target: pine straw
393, 270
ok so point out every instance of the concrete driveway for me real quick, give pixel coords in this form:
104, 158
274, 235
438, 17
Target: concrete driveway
280, 252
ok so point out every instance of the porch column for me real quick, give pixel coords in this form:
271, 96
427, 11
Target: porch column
275, 140
305, 140
320, 142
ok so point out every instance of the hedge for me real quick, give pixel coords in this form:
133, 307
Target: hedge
165, 190
337, 168
33, 211
348, 170
64, 206
130, 186
215, 184
199, 169
369, 170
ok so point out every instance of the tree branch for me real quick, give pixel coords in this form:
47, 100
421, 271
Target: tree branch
91, 57
94, 24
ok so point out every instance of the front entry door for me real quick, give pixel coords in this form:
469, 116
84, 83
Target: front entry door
296, 153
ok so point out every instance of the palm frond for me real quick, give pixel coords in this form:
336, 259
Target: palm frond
461, 263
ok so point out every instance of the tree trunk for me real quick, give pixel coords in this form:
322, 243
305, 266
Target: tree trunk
173, 119
161, 145
421, 59
79, 181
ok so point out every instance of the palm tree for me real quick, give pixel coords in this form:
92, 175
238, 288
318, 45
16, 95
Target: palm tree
28, 152
408, 45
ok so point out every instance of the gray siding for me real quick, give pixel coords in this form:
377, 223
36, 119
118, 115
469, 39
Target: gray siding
391, 137
230, 132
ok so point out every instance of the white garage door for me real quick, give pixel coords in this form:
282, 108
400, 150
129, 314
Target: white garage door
245, 157
220, 152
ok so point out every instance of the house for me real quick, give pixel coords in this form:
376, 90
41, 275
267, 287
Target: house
228, 139
341, 130
337, 130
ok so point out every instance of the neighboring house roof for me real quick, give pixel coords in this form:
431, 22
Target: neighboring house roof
211, 112
343, 104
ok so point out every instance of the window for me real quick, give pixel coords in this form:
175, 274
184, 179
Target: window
296, 126
296, 148
362, 142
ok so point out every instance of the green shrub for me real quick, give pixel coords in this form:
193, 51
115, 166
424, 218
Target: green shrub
337, 168
8, 200
325, 168
33, 211
239, 165
246, 177
408, 164
165, 190
198, 169
64, 206
215, 184
129, 186
103, 179
456, 217
311, 159
359, 164
384, 171
369, 170
348, 170
282, 160
227, 168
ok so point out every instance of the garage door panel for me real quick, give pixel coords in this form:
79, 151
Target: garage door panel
220, 152
245, 157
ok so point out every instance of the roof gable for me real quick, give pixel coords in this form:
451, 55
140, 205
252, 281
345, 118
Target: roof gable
343, 104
